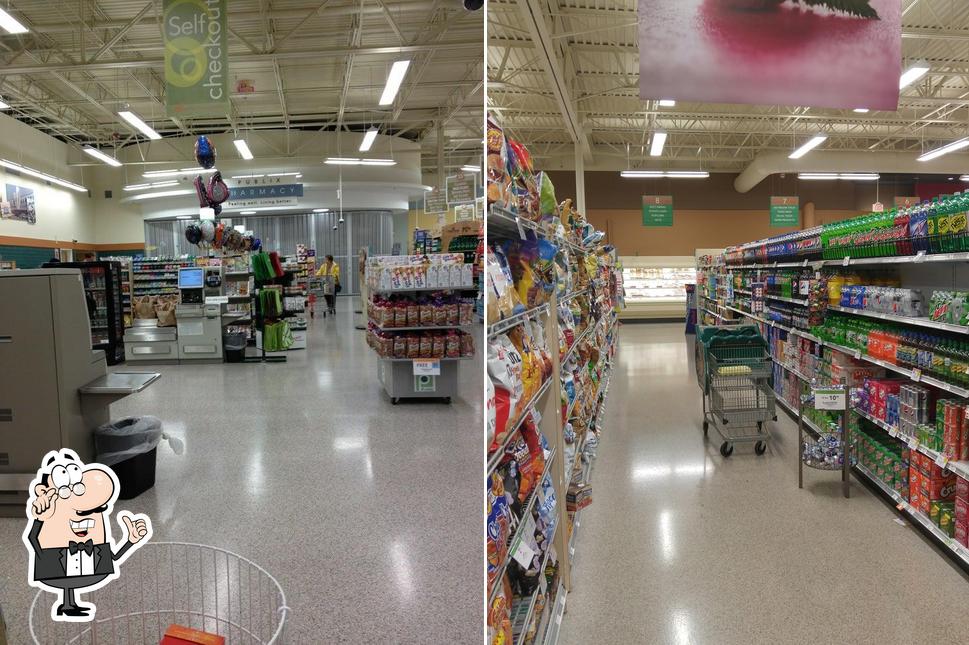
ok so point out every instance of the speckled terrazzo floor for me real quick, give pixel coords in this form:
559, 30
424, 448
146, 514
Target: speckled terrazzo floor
683, 547
368, 514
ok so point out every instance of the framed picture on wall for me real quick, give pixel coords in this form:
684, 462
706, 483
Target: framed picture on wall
22, 204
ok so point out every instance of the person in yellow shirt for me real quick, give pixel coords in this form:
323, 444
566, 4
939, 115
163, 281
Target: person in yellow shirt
330, 269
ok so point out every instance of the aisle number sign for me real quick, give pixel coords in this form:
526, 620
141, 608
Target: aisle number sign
785, 212
657, 210
435, 201
830, 399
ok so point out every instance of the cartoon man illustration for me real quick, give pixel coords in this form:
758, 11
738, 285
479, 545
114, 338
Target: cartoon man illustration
68, 534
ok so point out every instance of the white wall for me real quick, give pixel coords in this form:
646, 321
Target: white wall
62, 214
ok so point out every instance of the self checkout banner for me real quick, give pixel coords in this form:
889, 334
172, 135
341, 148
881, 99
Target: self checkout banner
841, 54
195, 33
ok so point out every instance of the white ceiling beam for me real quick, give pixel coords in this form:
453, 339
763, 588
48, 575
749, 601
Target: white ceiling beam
106, 47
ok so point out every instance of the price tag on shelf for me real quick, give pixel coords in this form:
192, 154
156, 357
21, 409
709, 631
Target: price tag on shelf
521, 229
522, 552
913, 443
805, 262
542, 582
857, 355
427, 368
892, 431
830, 399
916, 375
846, 261
942, 461
919, 257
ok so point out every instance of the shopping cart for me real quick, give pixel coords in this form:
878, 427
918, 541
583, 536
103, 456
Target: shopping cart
320, 287
165, 583
734, 372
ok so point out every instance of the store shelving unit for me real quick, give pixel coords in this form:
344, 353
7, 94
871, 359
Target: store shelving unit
156, 276
944, 271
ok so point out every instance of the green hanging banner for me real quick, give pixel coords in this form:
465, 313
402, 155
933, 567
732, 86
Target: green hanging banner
785, 212
195, 33
657, 210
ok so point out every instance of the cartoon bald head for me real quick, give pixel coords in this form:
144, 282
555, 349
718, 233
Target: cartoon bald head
71, 499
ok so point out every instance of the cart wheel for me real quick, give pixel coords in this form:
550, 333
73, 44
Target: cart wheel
726, 449
760, 425
447, 400
706, 427
394, 400
760, 447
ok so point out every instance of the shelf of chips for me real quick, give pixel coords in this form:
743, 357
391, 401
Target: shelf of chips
553, 289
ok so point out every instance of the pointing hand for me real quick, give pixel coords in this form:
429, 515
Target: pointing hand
43, 506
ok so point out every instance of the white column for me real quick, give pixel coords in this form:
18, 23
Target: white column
579, 181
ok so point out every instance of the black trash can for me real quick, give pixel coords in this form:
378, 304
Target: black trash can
234, 347
129, 447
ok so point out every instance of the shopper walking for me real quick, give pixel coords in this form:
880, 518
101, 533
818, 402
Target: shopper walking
330, 269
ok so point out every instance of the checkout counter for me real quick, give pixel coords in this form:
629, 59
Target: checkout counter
54, 389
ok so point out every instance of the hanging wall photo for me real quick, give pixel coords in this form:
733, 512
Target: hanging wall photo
19, 204
818, 53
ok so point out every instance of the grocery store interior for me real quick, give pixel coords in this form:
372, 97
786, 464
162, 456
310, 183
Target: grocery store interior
255, 294
727, 356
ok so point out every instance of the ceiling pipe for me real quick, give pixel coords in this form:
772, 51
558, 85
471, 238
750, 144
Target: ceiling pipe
774, 163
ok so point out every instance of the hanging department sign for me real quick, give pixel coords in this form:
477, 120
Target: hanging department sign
195, 34
785, 212
435, 201
265, 195
657, 210
461, 188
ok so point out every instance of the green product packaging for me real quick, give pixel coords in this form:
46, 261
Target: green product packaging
947, 523
935, 510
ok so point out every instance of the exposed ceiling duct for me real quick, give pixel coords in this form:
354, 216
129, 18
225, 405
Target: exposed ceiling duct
774, 163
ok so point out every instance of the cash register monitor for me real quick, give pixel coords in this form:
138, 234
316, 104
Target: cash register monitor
191, 278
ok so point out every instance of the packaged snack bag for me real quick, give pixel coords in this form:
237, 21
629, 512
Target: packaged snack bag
519, 452
547, 204
440, 312
427, 313
524, 189
400, 346
491, 416
499, 524
426, 345
413, 314
453, 313
400, 314
413, 346
531, 367
453, 347
467, 345
533, 438
505, 369
499, 182
438, 346
466, 312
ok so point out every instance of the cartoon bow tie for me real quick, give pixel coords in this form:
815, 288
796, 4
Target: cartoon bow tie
86, 546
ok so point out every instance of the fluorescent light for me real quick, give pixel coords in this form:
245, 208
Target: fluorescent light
42, 175
321, 210
247, 213
964, 178
946, 149
240, 227
670, 174
283, 174
353, 161
368, 140
243, 149
11, 24
812, 143
394, 79
155, 184
100, 156
471, 168
4, 106
831, 176
164, 193
135, 121
184, 217
250, 176
667, 103
656, 147
862, 110
912, 74
173, 173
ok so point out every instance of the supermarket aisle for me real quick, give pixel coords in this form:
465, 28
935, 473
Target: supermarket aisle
307, 469
683, 547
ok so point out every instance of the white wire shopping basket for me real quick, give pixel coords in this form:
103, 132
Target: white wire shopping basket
165, 583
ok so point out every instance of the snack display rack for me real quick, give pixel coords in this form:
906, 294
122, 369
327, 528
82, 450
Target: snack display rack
888, 317
550, 351
418, 323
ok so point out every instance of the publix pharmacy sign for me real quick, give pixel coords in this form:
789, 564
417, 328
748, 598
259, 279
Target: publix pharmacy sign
196, 57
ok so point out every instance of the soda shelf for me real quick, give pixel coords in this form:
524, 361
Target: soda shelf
905, 320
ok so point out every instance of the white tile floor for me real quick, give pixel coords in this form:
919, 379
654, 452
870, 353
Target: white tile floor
368, 514
683, 547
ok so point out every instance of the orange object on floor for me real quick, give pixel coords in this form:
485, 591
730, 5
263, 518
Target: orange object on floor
181, 635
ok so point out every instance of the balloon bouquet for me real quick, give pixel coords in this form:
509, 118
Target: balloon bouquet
209, 234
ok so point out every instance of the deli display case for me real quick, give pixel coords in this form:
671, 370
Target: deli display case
656, 286
103, 293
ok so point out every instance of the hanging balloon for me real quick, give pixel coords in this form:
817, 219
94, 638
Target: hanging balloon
219, 240
193, 233
208, 230
217, 191
204, 152
256, 244
201, 192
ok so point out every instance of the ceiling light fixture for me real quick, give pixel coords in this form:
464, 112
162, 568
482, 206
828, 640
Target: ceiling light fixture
138, 124
353, 161
368, 139
42, 175
184, 217
812, 143
912, 74
4, 106
243, 149
100, 156
11, 24
831, 176
155, 184
667, 103
247, 212
656, 147
321, 210
164, 193
284, 174
862, 110
397, 72
946, 149
670, 174
964, 178
471, 168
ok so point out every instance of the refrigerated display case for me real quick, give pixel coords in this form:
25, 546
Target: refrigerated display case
103, 292
656, 286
